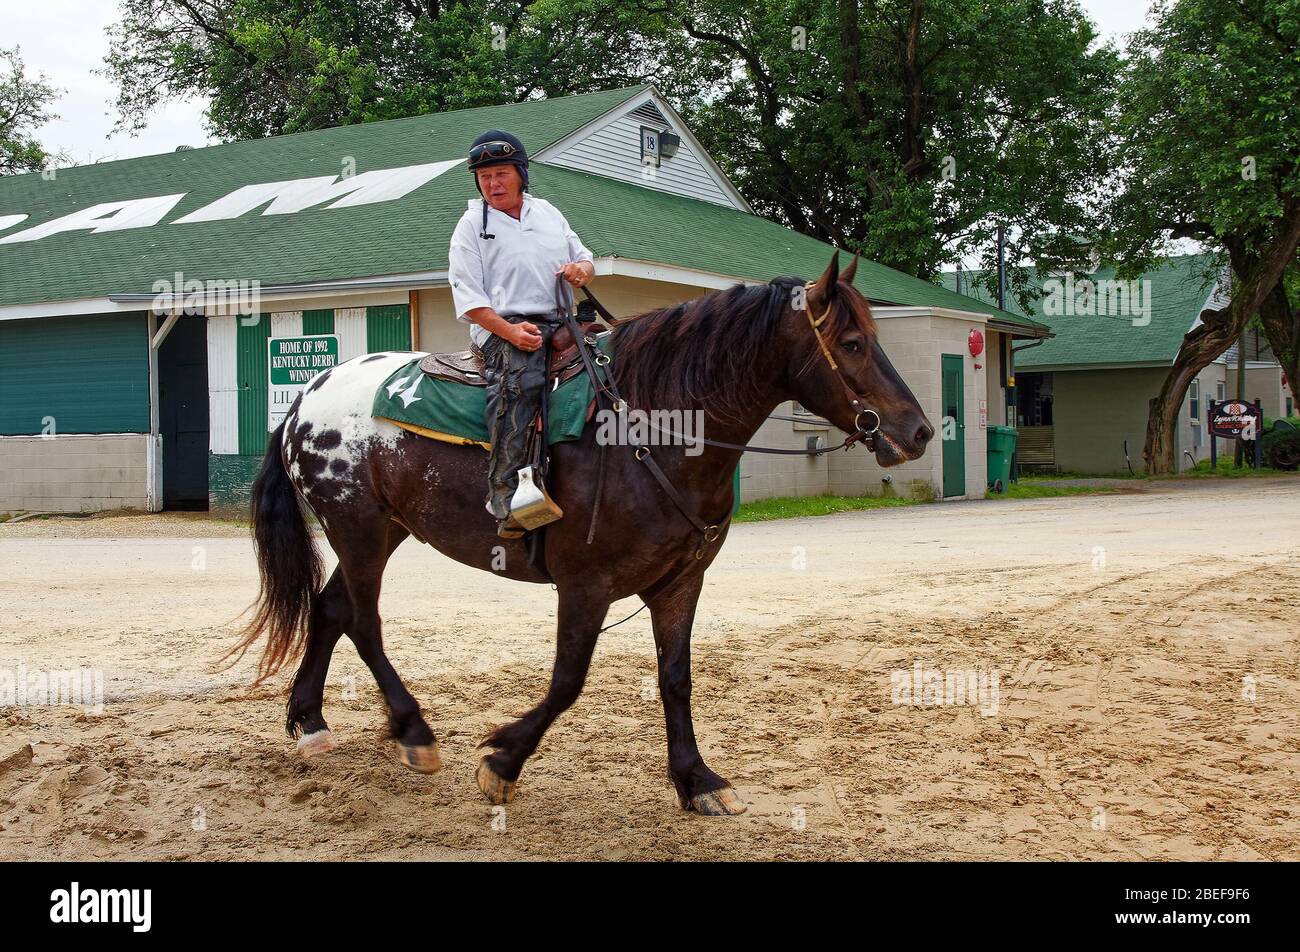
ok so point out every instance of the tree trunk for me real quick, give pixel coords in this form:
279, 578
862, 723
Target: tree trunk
1202, 345
1281, 324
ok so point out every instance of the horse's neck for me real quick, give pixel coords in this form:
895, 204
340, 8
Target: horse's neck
716, 462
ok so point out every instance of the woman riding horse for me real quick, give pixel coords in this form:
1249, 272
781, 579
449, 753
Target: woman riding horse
733, 355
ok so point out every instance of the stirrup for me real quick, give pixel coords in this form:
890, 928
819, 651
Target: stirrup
531, 506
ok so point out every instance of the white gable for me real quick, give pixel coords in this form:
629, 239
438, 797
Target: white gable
611, 146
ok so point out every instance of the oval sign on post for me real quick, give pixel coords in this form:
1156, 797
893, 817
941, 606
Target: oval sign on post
1234, 420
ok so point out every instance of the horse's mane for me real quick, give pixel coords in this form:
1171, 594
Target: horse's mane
708, 347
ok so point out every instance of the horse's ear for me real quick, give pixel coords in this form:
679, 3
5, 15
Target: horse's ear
832, 274
851, 271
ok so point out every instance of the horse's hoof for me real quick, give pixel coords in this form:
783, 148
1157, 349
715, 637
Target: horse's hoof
422, 758
722, 802
497, 789
316, 743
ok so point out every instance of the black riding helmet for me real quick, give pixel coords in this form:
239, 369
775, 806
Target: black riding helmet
496, 147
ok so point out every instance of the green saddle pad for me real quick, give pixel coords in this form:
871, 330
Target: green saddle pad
410, 396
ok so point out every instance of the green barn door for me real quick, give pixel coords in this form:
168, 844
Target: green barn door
954, 426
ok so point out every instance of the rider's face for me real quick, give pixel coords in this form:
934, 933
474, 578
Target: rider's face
502, 186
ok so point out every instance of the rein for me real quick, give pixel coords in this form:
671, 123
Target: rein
709, 532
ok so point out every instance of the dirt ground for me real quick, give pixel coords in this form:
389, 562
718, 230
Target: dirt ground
1145, 647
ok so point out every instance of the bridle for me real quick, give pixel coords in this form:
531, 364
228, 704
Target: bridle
709, 532
859, 431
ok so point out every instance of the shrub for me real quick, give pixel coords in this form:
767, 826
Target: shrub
1281, 449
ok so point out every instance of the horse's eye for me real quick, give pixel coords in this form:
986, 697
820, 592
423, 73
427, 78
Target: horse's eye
851, 346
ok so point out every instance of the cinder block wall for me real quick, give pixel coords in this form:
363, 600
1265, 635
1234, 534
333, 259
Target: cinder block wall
915, 345
73, 473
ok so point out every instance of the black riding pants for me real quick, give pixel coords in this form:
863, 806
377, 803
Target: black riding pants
516, 386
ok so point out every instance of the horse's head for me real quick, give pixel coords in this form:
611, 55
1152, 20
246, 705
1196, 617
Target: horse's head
836, 358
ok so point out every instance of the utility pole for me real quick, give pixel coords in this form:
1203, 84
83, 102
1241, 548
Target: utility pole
1002, 267
1239, 454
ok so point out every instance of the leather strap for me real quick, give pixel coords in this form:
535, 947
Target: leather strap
709, 532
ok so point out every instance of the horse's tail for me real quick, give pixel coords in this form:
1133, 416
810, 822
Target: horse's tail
288, 563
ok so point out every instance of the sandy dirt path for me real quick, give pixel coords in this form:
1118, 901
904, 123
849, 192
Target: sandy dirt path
1145, 644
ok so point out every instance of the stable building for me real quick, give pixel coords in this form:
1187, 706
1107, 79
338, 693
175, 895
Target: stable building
1082, 397
157, 313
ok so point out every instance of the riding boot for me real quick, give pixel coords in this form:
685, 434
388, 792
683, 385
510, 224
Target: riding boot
516, 386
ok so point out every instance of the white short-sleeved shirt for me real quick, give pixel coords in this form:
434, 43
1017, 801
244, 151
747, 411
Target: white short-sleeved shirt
513, 273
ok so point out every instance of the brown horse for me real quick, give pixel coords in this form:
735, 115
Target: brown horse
735, 355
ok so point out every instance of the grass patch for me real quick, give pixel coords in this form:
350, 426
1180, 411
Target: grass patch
791, 507
1036, 476
1225, 470
1032, 489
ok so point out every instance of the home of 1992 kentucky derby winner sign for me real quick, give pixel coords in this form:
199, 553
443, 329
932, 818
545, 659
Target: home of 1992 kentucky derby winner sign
292, 362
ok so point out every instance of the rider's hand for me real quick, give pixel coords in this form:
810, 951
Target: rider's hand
525, 336
577, 273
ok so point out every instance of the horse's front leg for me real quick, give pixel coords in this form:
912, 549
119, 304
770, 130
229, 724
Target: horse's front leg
581, 613
673, 612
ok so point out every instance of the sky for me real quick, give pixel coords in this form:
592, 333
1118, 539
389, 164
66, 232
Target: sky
66, 40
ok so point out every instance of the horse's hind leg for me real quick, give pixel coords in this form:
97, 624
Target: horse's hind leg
579, 619
331, 613
363, 562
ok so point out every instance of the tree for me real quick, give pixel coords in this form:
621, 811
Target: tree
1208, 117
24, 107
907, 129
269, 67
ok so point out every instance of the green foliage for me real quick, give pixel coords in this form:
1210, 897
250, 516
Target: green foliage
269, 67
1207, 126
1281, 449
24, 106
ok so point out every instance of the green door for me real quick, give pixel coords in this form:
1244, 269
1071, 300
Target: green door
953, 428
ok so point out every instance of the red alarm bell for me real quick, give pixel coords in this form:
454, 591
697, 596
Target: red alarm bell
975, 342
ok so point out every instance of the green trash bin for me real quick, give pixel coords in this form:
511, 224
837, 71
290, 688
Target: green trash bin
1002, 446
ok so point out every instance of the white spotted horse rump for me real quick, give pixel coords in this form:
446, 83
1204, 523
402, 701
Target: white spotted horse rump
330, 430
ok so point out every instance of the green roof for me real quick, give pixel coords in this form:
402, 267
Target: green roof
315, 244
1169, 299
402, 236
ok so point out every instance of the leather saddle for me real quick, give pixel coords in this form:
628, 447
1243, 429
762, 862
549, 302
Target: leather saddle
466, 366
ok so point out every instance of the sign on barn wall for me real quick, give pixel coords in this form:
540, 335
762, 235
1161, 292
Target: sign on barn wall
292, 362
